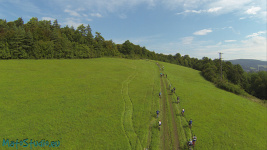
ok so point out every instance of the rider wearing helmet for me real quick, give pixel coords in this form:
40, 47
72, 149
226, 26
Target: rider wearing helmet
183, 111
157, 113
194, 140
190, 143
190, 122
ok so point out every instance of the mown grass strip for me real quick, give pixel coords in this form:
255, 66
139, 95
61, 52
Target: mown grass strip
153, 134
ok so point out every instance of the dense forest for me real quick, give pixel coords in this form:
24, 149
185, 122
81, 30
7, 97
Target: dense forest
46, 40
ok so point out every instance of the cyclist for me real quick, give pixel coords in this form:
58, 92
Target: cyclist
190, 143
157, 113
190, 123
159, 124
183, 111
194, 140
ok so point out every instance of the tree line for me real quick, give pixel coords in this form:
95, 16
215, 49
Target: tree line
46, 40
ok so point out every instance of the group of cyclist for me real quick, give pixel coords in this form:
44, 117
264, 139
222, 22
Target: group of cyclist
191, 143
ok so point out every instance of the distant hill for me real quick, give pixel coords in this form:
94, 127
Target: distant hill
249, 65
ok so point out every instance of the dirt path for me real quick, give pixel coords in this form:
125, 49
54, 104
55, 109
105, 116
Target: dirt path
175, 138
169, 138
166, 138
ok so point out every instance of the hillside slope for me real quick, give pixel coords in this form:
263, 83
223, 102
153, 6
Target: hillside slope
110, 103
221, 120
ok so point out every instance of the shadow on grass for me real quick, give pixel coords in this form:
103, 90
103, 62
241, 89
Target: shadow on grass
154, 116
180, 115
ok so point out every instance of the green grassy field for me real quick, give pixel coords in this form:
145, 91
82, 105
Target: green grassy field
81, 103
221, 120
110, 103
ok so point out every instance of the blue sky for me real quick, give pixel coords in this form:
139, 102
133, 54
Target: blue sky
197, 28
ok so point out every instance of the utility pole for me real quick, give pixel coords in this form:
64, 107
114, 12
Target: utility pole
220, 55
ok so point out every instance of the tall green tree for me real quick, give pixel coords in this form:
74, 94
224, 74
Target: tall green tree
98, 44
89, 36
4, 51
33, 26
19, 22
127, 48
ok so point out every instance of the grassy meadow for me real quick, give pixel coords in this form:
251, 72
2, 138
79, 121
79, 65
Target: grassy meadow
111, 103
221, 120
81, 103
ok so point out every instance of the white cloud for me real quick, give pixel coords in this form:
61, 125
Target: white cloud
98, 15
218, 7
228, 41
210, 10
123, 16
215, 9
48, 18
145, 40
243, 9
256, 34
185, 4
255, 40
253, 48
229, 5
187, 40
253, 10
72, 13
194, 11
203, 32
105, 6
72, 22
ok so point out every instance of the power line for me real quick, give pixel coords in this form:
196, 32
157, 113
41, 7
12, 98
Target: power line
220, 55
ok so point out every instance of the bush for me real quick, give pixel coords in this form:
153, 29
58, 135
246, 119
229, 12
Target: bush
230, 87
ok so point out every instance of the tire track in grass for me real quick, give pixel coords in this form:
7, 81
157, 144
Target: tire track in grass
127, 120
155, 106
152, 121
175, 138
